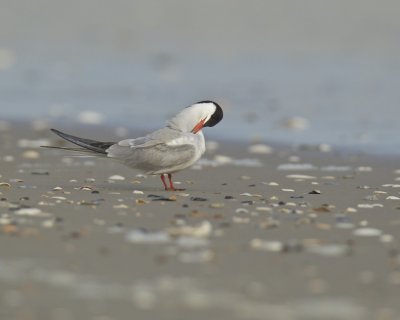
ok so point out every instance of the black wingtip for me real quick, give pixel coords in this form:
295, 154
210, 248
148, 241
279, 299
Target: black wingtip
55, 131
93, 145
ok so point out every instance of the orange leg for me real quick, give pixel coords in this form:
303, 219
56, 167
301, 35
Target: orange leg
171, 184
163, 181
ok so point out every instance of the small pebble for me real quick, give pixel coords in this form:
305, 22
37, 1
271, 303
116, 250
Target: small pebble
264, 209
296, 197
246, 194
141, 201
245, 178
241, 210
371, 197
161, 198
217, 205
386, 238
86, 188
269, 223
364, 187
30, 154
240, 219
40, 173
120, 206
48, 223
364, 223
300, 176
198, 199
91, 202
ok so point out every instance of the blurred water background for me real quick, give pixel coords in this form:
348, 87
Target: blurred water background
285, 71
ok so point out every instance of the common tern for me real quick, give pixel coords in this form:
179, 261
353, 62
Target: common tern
173, 148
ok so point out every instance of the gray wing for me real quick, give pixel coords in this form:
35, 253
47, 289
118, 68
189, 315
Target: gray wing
152, 154
157, 137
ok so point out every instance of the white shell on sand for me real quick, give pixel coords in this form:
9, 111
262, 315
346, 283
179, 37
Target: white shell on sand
203, 229
116, 177
367, 232
34, 212
260, 149
369, 206
140, 236
267, 245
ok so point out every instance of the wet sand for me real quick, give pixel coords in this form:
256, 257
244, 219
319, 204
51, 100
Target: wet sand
288, 233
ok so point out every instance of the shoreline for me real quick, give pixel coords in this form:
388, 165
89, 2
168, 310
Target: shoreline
109, 132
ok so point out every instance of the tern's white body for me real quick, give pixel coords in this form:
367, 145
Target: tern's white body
165, 151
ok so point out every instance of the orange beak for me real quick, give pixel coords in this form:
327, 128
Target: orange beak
199, 126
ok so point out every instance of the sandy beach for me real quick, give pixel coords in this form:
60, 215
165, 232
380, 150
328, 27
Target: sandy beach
293, 213
259, 233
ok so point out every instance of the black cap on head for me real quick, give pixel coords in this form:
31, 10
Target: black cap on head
216, 116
